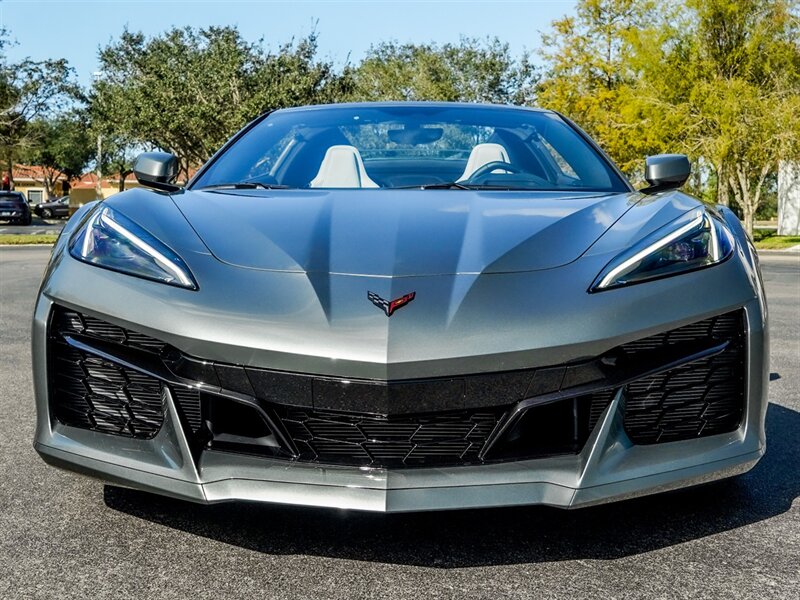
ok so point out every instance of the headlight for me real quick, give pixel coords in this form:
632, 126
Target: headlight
691, 242
112, 241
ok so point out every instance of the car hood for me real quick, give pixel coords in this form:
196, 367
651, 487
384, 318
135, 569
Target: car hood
398, 233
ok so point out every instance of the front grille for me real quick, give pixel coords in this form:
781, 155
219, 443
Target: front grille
703, 398
92, 393
438, 439
468, 419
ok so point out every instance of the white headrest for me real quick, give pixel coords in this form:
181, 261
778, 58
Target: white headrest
342, 167
483, 154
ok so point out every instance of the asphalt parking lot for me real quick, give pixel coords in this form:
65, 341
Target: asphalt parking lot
38, 226
62, 535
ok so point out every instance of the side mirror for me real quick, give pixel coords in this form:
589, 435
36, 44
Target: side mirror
157, 170
666, 172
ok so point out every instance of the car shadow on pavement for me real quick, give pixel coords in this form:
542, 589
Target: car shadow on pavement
505, 536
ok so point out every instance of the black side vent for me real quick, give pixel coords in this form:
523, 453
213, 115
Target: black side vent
702, 398
597, 405
89, 392
549, 429
65, 321
188, 402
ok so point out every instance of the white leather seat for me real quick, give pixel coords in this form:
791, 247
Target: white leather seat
481, 155
342, 167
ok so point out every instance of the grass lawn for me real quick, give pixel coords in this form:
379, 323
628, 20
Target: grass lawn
768, 240
764, 240
17, 238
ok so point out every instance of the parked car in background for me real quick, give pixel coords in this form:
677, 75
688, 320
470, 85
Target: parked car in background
53, 208
14, 208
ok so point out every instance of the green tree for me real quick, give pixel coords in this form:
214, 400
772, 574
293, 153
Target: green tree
745, 93
728, 82
472, 70
30, 90
591, 72
187, 91
61, 146
716, 79
118, 156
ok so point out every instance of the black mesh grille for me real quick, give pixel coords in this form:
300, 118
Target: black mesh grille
598, 404
188, 402
89, 392
440, 439
722, 328
705, 397
66, 321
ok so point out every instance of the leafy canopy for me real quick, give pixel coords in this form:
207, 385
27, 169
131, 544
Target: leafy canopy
472, 70
188, 90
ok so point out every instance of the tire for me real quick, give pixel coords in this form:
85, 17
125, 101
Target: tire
27, 220
47, 213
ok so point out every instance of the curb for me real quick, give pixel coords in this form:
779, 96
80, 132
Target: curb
784, 252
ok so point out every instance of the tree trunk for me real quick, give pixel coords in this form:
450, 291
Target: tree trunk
740, 193
49, 184
10, 167
748, 216
723, 191
748, 194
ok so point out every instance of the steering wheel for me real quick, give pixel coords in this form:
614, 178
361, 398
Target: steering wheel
492, 166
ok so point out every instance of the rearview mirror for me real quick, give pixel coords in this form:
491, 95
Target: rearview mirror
414, 136
157, 170
666, 172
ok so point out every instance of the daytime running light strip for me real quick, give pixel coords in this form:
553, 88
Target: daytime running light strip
147, 249
716, 251
651, 248
87, 237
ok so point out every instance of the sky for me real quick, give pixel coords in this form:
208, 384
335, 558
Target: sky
74, 29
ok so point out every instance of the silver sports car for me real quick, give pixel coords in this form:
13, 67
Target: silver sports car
403, 307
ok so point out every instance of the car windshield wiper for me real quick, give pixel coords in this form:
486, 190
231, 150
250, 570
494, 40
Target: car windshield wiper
457, 185
245, 185
450, 185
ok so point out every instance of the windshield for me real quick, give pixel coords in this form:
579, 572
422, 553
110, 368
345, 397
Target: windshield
403, 146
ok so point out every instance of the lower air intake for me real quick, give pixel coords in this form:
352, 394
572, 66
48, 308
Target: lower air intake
702, 398
369, 440
91, 393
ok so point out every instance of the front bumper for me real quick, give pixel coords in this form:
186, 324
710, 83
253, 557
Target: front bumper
608, 467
